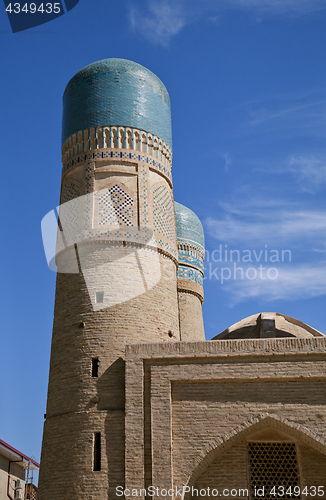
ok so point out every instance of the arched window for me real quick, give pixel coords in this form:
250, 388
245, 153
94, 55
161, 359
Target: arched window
273, 470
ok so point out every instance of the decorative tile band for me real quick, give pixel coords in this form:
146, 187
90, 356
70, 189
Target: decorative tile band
164, 169
190, 260
190, 274
188, 248
116, 137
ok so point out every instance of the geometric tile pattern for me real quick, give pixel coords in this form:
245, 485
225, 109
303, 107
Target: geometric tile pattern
274, 466
163, 212
106, 154
114, 204
69, 192
190, 258
143, 180
190, 274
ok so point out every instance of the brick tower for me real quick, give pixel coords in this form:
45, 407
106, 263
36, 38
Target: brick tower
117, 259
191, 255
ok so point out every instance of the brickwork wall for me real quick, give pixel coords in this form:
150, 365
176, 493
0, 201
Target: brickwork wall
313, 469
202, 398
80, 405
191, 317
231, 471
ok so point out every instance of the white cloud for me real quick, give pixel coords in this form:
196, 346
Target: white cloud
227, 161
309, 171
160, 20
267, 225
292, 282
279, 6
260, 228
304, 111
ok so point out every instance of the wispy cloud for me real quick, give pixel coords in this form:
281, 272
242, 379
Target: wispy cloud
267, 224
160, 20
303, 113
279, 6
265, 229
309, 171
294, 282
305, 110
227, 161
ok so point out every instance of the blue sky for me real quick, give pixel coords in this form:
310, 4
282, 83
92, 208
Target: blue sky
247, 81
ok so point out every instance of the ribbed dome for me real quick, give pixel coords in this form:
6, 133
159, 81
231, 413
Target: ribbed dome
189, 227
116, 92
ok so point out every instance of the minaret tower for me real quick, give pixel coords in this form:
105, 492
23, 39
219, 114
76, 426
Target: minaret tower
117, 281
191, 256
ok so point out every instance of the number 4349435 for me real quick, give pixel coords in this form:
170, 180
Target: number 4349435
32, 8
311, 491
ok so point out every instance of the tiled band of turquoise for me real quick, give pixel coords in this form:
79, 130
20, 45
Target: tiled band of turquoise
191, 258
116, 91
190, 274
191, 244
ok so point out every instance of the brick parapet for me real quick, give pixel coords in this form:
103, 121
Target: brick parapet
117, 139
262, 347
192, 287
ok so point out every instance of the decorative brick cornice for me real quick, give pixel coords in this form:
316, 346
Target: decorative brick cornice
116, 137
192, 287
259, 347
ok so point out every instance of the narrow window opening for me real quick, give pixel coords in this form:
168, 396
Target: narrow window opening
97, 451
99, 297
95, 363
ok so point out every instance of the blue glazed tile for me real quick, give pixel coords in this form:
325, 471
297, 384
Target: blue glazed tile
116, 92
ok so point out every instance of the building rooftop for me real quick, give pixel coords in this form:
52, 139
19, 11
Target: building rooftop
16, 456
268, 325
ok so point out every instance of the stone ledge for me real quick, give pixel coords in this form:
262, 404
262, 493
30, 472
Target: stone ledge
261, 347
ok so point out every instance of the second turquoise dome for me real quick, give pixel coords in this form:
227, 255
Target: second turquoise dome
189, 227
116, 92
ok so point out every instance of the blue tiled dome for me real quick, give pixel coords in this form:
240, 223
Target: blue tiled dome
116, 92
189, 227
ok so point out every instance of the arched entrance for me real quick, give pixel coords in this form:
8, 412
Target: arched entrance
267, 458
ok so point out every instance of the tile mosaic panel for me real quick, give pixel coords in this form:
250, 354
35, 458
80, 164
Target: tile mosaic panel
190, 274
114, 204
163, 211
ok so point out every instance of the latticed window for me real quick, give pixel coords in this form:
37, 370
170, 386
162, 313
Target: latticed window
274, 467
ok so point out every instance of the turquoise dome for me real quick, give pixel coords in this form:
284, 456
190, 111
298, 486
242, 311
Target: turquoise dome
189, 227
116, 92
